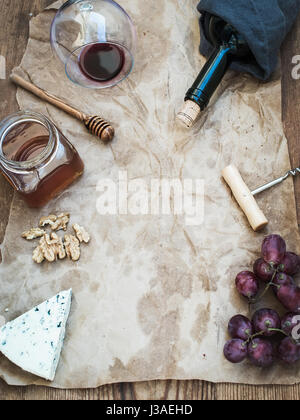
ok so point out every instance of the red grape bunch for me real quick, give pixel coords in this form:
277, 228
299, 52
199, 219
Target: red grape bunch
251, 339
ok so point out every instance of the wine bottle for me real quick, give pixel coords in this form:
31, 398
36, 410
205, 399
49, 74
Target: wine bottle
228, 44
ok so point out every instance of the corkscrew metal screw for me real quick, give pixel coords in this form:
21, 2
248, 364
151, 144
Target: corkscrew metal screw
292, 172
245, 197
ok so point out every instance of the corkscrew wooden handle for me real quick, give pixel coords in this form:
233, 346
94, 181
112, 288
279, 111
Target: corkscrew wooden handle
96, 125
244, 197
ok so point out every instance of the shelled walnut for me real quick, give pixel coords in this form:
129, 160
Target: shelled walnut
61, 222
33, 233
48, 220
81, 233
52, 247
72, 247
59, 246
56, 223
38, 255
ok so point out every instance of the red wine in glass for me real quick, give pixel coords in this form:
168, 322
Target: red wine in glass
102, 61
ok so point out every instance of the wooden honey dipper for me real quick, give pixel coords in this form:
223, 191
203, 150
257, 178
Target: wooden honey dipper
94, 124
245, 197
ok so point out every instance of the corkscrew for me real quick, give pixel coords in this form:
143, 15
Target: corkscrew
245, 197
292, 172
95, 124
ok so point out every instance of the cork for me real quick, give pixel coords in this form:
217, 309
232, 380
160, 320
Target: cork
189, 113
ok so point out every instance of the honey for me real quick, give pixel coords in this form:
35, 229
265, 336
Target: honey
36, 158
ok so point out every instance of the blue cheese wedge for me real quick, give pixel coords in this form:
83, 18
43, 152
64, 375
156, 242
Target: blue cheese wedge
34, 340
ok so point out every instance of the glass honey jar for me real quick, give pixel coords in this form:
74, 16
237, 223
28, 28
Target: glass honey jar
36, 158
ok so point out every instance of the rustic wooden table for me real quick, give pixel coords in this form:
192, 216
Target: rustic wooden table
14, 18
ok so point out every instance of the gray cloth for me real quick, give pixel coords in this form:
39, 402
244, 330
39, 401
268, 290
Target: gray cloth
263, 23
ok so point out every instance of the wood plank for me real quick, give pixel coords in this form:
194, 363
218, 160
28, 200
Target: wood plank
14, 24
14, 20
291, 102
156, 390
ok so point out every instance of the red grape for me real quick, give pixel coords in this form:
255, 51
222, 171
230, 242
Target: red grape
289, 296
249, 339
289, 350
273, 249
264, 319
263, 270
235, 350
261, 352
282, 279
290, 264
240, 327
288, 322
247, 284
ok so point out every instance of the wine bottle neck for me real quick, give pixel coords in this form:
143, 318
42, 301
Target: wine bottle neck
210, 76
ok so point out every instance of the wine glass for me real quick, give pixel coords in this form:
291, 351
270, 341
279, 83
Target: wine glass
96, 41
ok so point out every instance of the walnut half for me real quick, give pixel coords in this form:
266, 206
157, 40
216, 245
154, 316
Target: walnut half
56, 223
72, 247
58, 245
81, 234
38, 255
33, 233
48, 220
61, 222
50, 248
